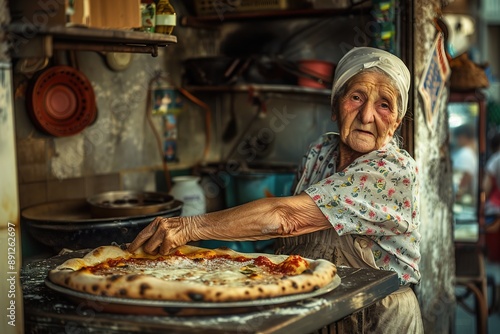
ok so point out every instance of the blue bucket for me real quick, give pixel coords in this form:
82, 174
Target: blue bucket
244, 187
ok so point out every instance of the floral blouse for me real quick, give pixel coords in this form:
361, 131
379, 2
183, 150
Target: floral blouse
375, 196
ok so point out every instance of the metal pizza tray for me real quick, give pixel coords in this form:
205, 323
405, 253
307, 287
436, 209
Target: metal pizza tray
180, 308
69, 224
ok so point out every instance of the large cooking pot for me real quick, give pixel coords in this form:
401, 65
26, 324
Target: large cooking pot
69, 224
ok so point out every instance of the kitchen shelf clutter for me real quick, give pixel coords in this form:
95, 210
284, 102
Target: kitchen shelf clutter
274, 73
220, 74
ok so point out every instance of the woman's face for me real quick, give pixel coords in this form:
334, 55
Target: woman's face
367, 116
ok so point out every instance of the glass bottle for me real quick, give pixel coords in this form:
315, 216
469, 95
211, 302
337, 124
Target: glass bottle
165, 17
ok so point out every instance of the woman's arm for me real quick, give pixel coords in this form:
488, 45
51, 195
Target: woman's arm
258, 220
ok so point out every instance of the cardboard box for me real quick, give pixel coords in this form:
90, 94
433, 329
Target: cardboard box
105, 14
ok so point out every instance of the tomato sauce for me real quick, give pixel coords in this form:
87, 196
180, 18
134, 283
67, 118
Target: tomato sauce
287, 267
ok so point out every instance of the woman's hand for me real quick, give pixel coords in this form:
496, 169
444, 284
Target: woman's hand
163, 234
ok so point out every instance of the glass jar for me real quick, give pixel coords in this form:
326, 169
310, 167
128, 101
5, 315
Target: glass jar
188, 190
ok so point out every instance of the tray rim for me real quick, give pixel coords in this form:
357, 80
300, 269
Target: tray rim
194, 305
44, 222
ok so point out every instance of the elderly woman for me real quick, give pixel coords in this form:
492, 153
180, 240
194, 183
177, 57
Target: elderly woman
356, 196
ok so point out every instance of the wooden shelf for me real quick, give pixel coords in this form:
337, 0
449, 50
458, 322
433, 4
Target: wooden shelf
285, 89
279, 92
31, 41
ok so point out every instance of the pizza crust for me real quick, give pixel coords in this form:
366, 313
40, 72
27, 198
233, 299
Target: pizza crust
74, 275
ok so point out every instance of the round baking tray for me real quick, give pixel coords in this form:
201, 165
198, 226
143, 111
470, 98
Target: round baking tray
180, 308
77, 211
69, 224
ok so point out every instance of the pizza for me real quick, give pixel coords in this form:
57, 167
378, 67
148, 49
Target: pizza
192, 274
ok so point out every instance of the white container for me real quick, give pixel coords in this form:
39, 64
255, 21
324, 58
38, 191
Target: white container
188, 190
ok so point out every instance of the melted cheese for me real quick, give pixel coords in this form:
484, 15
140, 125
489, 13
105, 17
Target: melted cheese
218, 271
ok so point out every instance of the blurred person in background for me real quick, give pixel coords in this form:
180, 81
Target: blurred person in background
465, 165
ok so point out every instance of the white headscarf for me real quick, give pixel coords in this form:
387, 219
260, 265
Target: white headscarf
361, 58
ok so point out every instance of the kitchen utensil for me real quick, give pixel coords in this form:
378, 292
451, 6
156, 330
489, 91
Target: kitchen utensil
69, 224
218, 70
309, 73
315, 73
128, 203
231, 129
265, 70
61, 101
261, 113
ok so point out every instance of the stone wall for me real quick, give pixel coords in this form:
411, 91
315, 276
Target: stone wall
436, 291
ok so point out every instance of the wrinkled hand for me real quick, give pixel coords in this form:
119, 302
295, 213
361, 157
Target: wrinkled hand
162, 233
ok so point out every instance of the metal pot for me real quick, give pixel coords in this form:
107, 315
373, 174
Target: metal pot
68, 224
315, 73
312, 73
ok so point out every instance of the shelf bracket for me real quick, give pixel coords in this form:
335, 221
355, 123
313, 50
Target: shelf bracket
62, 45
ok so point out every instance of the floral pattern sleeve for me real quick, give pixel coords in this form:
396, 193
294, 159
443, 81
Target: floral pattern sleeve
379, 188
375, 196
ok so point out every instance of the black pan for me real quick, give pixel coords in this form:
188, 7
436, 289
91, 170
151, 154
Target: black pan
69, 224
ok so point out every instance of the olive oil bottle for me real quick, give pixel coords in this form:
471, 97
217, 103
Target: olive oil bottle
165, 17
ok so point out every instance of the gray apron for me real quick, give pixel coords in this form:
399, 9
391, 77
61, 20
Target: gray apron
397, 313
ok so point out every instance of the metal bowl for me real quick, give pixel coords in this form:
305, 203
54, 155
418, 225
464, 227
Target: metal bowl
128, 203
68, 224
